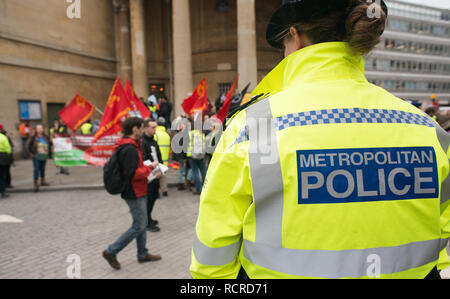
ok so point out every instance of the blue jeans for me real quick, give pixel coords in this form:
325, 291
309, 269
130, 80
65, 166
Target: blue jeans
181, 172
39, 168
196, 166
138, 210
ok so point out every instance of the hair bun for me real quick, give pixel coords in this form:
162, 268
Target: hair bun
364, 26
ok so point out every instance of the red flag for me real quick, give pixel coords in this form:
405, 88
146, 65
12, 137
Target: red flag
117, 107
77, 112
136, 103
198, 101
222, 115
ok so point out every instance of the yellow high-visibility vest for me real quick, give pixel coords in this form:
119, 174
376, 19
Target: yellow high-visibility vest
163, 140
86, 129
5, 146
328, 176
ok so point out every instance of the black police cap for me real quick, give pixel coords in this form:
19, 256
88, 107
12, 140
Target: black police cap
294, 11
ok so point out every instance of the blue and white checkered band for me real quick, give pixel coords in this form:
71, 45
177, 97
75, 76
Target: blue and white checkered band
242, 136
351, 116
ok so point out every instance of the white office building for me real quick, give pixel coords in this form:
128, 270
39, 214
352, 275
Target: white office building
413, 59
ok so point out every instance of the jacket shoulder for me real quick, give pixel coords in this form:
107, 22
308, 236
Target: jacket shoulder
233, 114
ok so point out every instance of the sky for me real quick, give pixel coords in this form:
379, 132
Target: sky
436, 3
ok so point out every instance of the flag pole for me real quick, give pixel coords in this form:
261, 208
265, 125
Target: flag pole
98, 110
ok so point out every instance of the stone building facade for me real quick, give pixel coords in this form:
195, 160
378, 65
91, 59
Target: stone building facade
48, 53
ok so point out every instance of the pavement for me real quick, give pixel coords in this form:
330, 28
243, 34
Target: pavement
61, 228
80, 178
62, 233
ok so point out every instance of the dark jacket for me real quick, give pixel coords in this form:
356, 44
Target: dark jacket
135, 171
165, 109
32, 145
181, 156
148, 145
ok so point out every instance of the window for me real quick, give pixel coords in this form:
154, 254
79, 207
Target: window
30, 110
224, 88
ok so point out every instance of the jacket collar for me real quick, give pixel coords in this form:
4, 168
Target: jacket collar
320, 62
128, 140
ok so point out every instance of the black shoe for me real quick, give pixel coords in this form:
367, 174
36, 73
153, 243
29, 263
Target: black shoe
4, 195
112, 260
153, 228
165, 194
153, 222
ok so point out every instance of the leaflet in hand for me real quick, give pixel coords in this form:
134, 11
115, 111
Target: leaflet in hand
160, 168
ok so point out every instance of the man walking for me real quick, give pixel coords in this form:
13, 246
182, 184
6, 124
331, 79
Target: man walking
151, 151
135, 194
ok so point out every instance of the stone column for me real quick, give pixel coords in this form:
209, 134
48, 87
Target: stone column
247, 60
123, 46
138, 51
182, 53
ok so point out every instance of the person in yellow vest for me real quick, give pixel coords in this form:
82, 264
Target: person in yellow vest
6, 159
196, 156
323, 174
86, 128
58, 129
163, 140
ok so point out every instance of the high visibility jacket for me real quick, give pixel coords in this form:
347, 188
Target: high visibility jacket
327, 177
86, 129
23, 130
163, 140
5, 146
196, 143
60, 131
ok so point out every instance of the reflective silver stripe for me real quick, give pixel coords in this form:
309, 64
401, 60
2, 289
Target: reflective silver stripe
445, 189
444, 243
265, 171
215, 256
343, 263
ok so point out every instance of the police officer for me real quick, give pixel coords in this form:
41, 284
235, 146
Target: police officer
325, 175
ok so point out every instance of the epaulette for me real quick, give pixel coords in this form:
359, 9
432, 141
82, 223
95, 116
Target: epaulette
236, 111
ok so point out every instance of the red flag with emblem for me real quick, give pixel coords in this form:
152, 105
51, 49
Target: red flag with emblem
198, 101
223, 113
77, 112
135, 101
117, 107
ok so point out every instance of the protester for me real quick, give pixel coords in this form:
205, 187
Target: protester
58, 128
55, 132
196, 157
163, 140
135, 194
6, 159
25, 133
179, 155
151, 151
38, 148
151, 106
165, 109
95, 126
86, 128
